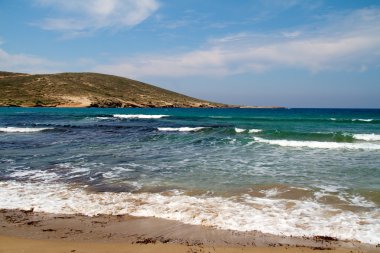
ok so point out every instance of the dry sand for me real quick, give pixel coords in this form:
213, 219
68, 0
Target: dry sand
28, 231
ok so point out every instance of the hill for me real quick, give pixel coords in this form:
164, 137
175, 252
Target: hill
88, 90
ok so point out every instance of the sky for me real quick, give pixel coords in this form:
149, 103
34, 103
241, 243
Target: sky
293, 53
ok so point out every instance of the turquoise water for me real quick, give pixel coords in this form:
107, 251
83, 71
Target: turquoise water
281, 171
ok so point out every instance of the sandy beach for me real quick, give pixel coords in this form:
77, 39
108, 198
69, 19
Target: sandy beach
28, 231
13, 244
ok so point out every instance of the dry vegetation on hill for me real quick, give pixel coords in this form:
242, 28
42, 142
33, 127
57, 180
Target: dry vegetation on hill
88, 90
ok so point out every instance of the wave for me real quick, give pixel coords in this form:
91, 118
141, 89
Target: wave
220, 117
104, 118
319, 144
310, 136
345, 120
23, 129
254, 131
240, 130
367, 137
180, 129
251, 131
340, 137
116, 172
139, 116
306, 119
38, 175
363, 120
268, 215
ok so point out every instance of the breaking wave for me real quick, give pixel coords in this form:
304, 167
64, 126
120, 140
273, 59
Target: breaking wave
319, 144
23, 129
254, 131
363, 120
240, 130
180, 129
269, 215
367, 137
138, 116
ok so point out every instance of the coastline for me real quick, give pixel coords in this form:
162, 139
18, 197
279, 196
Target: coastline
20, 229
86, 104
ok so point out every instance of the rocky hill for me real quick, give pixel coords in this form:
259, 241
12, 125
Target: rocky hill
88, 90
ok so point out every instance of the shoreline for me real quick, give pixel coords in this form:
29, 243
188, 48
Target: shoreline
79, 105
20, 228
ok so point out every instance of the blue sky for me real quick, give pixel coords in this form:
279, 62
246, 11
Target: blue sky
292, 53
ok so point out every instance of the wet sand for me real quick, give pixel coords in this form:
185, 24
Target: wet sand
28, 231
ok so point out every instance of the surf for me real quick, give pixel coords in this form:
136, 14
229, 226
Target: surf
23, 129
139, 116
318, 144
180, 129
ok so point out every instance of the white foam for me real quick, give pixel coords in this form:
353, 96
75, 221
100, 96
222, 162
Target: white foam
220, 117
37, 175
254, 131
363, 120
23, 129
110, 174
239, 130
79, 170
119, 168
275, 216
361, 201
367, 137
104, 118
115, 172
319, 144
180, 129
331, 188
271, 192
139, 116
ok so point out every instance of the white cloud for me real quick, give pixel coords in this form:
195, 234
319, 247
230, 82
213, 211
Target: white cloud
345, 43
26, 63
293, 34
77, 17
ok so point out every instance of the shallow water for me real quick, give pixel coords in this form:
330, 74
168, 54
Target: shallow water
281, 171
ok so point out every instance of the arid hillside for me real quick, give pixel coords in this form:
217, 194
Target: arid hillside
88, 90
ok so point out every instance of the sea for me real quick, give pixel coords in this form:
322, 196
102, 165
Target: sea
290, 172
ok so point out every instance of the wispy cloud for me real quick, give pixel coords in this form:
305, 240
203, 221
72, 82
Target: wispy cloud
74, 17
27, 63
292, 34
348, 42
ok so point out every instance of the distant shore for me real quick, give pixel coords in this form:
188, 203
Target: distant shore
83, 105
30, 231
